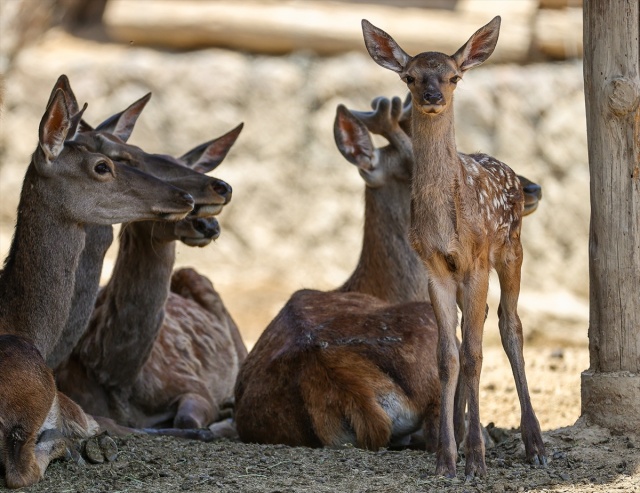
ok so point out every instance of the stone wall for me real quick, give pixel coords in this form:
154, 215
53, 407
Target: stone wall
296, 216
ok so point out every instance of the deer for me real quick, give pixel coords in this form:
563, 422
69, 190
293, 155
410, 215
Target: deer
140, 328
110, 137
65, 186
466, 219
352, 365
340, 366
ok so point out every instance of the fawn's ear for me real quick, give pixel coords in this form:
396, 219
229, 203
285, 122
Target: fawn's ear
353, 140
209, 155
383, 48
479, 47
54, 128
121, 124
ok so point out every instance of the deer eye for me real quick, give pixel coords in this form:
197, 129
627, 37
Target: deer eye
455, 79
408, 79
102, 168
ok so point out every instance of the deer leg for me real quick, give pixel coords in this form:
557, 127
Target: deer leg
459, 408
460, 400
19, 457
442, 291
194, 412
474, 302
512, 342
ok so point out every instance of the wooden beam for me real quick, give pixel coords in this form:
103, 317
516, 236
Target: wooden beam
322, 26
611, 386
558, 33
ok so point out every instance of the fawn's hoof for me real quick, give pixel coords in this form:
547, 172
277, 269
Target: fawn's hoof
539, 460
100, 448
533, 444
446, 466
475, 464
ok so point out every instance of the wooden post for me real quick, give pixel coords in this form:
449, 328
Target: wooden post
611, 386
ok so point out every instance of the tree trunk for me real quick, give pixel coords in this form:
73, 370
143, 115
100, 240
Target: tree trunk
611, 386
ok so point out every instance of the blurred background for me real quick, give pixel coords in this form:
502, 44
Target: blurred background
282, 67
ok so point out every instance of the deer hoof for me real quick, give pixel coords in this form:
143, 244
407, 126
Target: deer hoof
100, 448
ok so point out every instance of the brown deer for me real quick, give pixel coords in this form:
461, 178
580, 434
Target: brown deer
466, 219
109, 138
65, 186
345, 366
151, 356
532, 191
319, 372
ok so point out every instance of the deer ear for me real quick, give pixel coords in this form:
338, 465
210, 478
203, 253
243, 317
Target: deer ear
353, 140
383, 48
479, 47
83, 127
209, 155
54, 126
76, 122
121, 124
69, 96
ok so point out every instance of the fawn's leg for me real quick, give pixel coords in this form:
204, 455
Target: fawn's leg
442, 290
512, 341
473, 309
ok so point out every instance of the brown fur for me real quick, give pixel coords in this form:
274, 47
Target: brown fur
466, 218
150, 356
355, 365
65, 186
109, 138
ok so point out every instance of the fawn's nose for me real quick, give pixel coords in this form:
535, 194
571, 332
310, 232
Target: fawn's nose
223, 189
433, 97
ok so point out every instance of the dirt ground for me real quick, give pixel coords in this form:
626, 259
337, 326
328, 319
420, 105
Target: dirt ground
581, 458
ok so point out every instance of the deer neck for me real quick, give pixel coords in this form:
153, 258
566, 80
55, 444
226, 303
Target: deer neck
434, 148
97, 241
130, 308
37, 282
388, 267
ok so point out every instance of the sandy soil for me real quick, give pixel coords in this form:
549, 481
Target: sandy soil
582, 458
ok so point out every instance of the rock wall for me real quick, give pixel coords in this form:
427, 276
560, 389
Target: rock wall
296, 216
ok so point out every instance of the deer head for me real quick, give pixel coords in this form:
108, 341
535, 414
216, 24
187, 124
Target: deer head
431, 76
88, 186
376, 165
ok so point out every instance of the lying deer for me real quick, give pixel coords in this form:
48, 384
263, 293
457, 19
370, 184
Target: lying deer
150, 355
341, 366
65, 186
355, 365
466, 219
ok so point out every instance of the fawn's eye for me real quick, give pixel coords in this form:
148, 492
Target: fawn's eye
408, 79
455, 79
102, 168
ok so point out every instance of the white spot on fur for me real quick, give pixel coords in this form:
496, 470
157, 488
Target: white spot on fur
53, 417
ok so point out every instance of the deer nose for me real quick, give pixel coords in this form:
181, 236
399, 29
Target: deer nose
223, 189
433, 97
186, 198
208, 227
533, 189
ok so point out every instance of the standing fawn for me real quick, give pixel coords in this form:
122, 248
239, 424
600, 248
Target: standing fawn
65, 187
150, 355
466, 219
370, 345
353, 365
